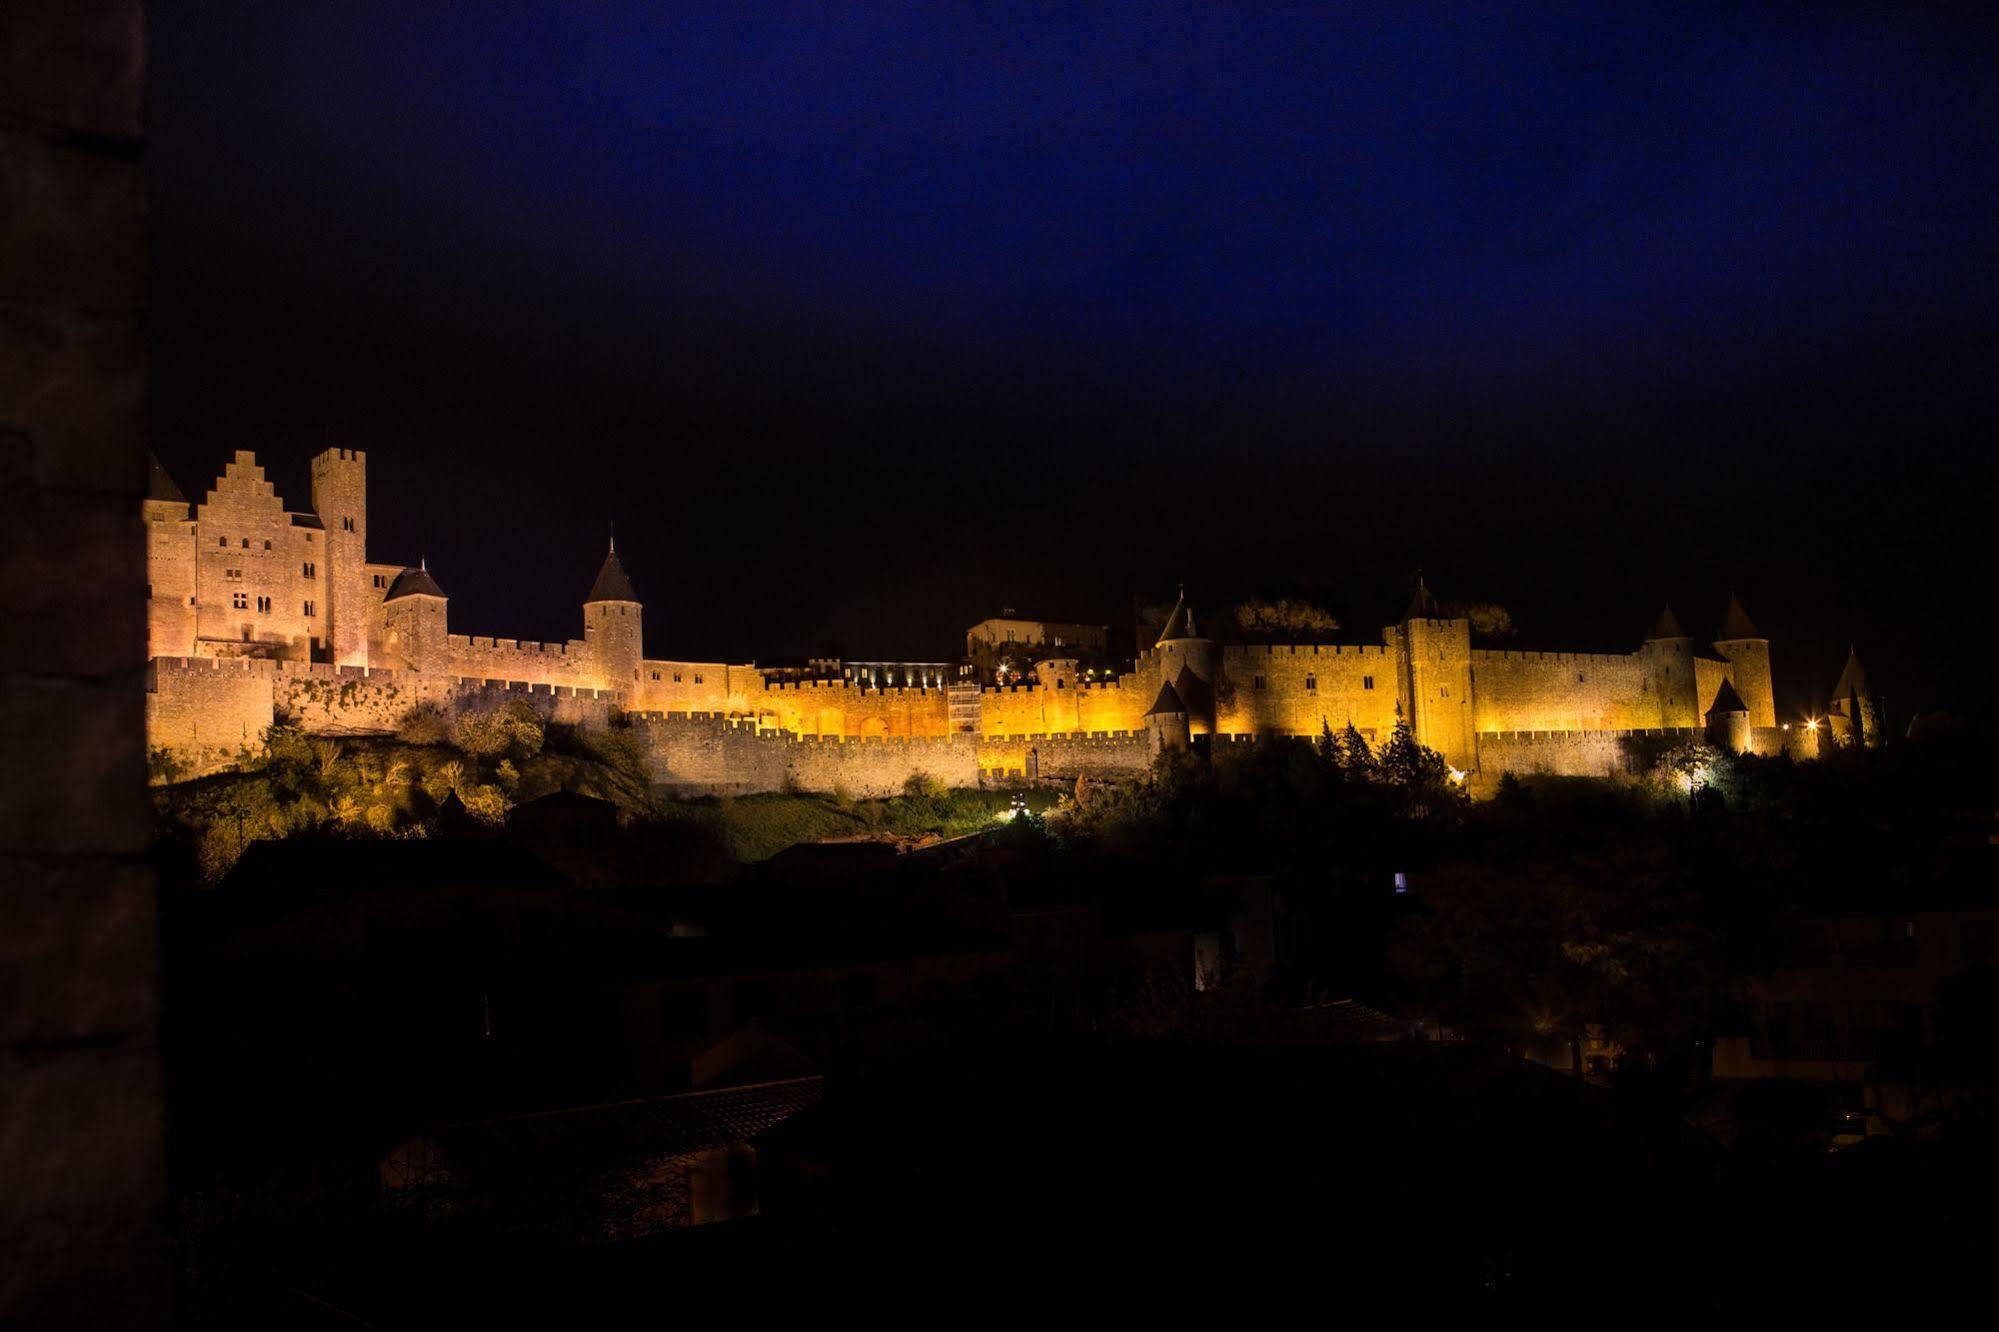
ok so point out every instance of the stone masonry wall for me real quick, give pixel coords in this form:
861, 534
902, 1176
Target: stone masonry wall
81, 1164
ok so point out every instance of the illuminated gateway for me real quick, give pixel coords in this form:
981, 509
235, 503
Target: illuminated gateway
259, 615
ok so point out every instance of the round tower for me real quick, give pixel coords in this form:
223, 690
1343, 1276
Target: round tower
1167, 721
613, 634
1728, 721
1745, 649
1186, 661
1669, 672
413, 622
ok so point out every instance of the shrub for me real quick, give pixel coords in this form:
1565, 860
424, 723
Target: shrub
423, 725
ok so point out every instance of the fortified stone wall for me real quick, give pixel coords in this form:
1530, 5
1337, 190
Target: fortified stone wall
1302, 689
205, 711
1102, 754
1561, 691
705, 754
513, 659
1605, 753
840, 708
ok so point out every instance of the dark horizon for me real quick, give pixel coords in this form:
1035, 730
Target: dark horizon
860, 330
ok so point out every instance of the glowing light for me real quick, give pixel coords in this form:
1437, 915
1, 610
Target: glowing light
1458, 775
1812, 724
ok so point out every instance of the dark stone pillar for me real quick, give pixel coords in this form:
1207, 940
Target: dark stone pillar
81, 1175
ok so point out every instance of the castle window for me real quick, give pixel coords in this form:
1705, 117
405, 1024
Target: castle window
222, 541
246, 543
1059, 684
697, 679
1257, 683
655, 675
267, 545
1367, 682
676, 677
1579, 677
239, 600
263, 605
232, 575
1444, 691
309, 570
308, 610
346, 524
381, 580
1312, 683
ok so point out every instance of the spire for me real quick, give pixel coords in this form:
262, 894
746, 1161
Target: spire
611, 584
1180, 624
1735, 622
1726, 700
160, 485
1852, 680
1422, 606
1167, 702
1666, 626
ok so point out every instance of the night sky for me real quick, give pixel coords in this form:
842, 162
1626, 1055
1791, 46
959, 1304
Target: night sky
861, 327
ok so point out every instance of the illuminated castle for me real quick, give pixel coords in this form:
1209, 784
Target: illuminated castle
259, 614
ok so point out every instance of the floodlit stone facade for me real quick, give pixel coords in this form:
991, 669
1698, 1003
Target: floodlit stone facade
258, 613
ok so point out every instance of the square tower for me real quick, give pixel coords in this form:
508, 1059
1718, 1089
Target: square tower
340, 498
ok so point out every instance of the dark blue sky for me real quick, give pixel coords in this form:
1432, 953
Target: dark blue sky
859, 325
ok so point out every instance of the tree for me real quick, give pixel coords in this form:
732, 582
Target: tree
1488, 619
1285, 618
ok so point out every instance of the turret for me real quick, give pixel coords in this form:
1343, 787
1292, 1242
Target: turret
1669, 672
1748, 652
1167, 720
613, 633
414, 630
340, 498
1728, 721
1433, 677
1853, 713
1185, 660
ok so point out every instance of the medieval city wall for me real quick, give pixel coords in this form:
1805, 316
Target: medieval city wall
1300, 689
841, 708
1579, 753
706, 754
515, 659
1112, 754
205, 711
1560, 691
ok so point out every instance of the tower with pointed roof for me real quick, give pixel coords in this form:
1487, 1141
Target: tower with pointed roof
1185, 659
1670, 678
613, 626
1728, 725
1434, 677
1167, 721
1747, 652
171, 560
414, 610
1853, 713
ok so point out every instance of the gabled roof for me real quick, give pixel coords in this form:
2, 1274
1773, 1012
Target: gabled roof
415, 582
1726, 700
1167, 702
1735, 623
611, 584
1666, 626
1852, 680
159, 485
1180, 624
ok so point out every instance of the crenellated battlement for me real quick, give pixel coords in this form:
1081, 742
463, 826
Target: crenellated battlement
1267, 650
1552, 658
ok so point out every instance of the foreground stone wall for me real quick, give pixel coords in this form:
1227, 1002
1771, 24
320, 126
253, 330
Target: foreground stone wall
81, 1167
